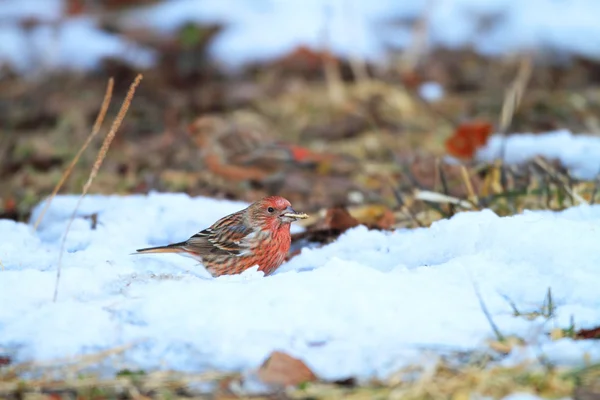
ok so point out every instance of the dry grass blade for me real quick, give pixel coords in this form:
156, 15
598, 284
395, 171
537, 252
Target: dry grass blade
557, 177
514, 94
468, 185
333, 76
76, 362
95, 130
512, 100
426, 195
101, 154
74, 378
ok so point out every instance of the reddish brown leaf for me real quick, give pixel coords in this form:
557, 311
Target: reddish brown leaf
10, 204
339, 219
285, 370
74, 8
467, 138
374, 216
302, 58
387, 220
593, 333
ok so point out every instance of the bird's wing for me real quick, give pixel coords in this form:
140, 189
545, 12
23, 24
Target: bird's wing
227, 236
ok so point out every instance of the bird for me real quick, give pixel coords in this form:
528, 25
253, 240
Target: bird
241, 147
257, 235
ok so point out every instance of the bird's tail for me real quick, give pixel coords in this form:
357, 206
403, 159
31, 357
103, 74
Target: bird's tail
170, 248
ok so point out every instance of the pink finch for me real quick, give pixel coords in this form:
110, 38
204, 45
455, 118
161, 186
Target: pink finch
257, 235
242, 147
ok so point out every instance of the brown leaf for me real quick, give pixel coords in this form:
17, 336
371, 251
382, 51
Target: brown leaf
387, 220
467, 138
374, 216
593, 333
339, 219
285, 370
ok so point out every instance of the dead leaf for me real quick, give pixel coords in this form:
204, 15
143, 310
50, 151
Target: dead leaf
339, 219
593, 333
285, 370
374, 216
5, 360
467, 138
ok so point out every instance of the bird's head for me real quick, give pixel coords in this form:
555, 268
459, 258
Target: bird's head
274, 211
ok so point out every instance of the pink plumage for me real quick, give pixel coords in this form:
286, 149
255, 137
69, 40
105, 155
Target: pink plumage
257, 235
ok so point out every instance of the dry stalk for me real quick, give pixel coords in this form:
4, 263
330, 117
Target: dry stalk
558, 178
403, 207
80, 361
99, 159
333, 77
441, 198
357, 62
95, 130
417, 49
512, 99
468, 185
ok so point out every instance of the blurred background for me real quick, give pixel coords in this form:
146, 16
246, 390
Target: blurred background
328, 103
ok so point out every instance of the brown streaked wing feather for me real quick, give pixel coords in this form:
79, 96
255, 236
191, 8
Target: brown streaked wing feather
226, 236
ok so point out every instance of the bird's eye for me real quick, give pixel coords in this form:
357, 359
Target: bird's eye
270, 209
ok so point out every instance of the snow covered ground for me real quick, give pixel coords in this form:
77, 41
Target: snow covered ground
579, 153
267, 28
365, 305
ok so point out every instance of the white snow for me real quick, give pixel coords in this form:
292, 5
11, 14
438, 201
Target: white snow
431, 91
263, 29
579, 153
365, 305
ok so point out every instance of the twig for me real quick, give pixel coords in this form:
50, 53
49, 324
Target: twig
95, 130
499, 336
548, 308
512, 304
101, 154
558, 178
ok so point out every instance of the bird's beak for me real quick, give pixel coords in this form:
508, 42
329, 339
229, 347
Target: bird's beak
291, 214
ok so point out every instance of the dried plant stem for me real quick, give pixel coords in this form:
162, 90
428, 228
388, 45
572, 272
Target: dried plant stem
95, 130
402, 204
512, 99
333, 77
559, 179
469, 186
357, 62
74, 364
487, 313
441, 198
101, 155
444, 182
